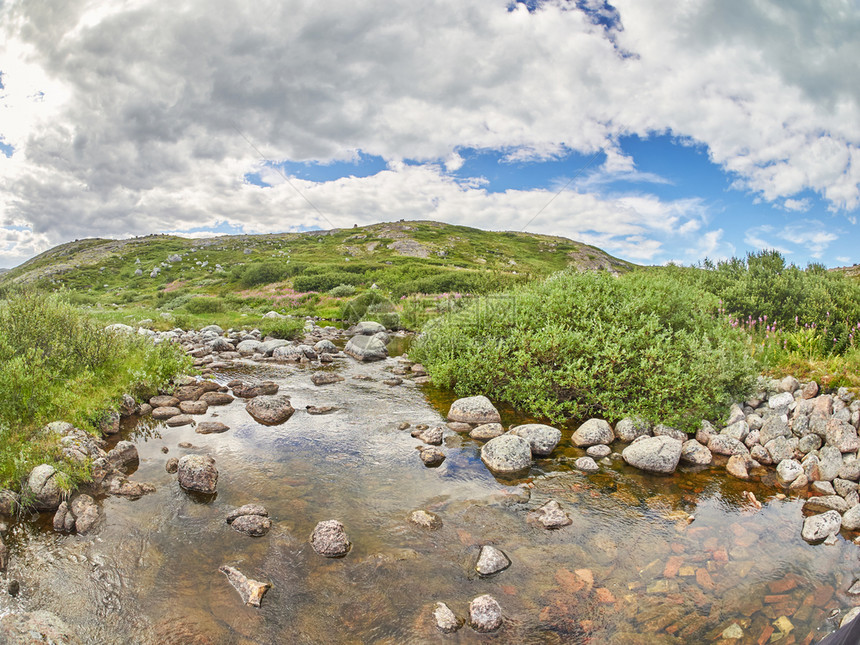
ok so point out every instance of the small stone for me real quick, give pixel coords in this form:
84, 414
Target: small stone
431, 456
172, 465
598, 451
446, 620
485, 614
491, 561
425, 519
587, 465
179, 420
329, 539
211, 427
550, 516
198, 473
487, 431
251, 591
253, 525
733, 632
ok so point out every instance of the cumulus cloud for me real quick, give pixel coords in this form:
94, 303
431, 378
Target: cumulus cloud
130, 117
811, 234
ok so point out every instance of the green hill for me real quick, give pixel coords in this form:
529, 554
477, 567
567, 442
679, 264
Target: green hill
306, 273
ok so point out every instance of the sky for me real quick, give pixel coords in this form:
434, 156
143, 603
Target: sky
658, 130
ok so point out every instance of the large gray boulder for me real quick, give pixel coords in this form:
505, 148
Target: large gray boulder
591, 433
268, 347
475, 410
542, 439
368, 328
329, 539
248, 347
198, 473
44, 491
270, 410
366, 348
820, 527
722, 444
288, 353
654, 454
629, 429
507, 454
692, 452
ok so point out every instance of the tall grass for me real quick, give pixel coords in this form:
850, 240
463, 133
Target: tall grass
56, 363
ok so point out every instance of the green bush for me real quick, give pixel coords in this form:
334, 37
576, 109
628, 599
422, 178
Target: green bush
325, 281
286, 328
357, 308
342, 291
587, 344
263, 273
203, 305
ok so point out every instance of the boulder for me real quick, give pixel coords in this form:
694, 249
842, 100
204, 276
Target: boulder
586, 465
198, 473
661, 430
592, 432
550, 516
253, 525
629, 429
475, 410
788, 470
270, 410
366, 348
44, 492
217, 398
507, 454
163, 401
165, 413
598, 451
193, 407
368, 328
542, 439
123, 455
819, 527
431, 456
179, 420
211, 427
486, 431
485, 614
325, 378
86, 513
721, 444
251, 591
654, 454
491, 561
329, 539
692, 452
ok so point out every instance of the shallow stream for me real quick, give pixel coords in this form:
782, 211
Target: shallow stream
631, 568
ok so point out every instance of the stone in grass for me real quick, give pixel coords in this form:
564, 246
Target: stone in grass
329, 539
446, 620
425, 519
431, 456
485, 614
211, 427
251, 591
491, 561
550, 516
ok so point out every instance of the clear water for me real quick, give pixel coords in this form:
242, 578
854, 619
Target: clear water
149, 574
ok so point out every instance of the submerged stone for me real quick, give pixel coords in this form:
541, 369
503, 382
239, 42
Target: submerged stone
251, 591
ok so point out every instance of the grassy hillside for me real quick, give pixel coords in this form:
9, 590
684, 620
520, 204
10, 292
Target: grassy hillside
314, 272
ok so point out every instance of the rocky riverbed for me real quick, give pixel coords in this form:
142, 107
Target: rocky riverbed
345, 535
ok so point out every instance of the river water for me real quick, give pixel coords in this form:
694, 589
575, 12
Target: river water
647, 559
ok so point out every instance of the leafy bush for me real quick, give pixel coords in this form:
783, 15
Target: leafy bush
357, 308
342, 291
325, 281
177, 302
587, 344
202, 305
286, 328
263, 273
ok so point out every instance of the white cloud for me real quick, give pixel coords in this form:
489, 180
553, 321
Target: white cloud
811, 234
754, 237
136, 132
801, 205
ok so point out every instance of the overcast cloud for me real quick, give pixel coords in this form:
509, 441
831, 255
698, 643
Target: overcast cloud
124, 117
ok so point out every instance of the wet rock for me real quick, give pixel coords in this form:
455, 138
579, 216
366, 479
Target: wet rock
737, 467
251, 591
851, 518
86, 513
654, 454
366, 348
393, 382
485, 614
550, 516
321, 409
163, 401
425, 519
692, 452
123, 455
788, 470
193, 407
211, 427
491, 561
270, 410
598, 451
32, 627
44, 492
122, 486
198, 473
431, 436
592, 432
325, 378
819, 527
165, 413
721, 444
733, 632
475, 410
456, 426
253, 525
325, 347
822, 503
445, 619
487, 431
368, 328
247, 509
60, 516
188, 393
9, 501
329, 539
586, 464
507, 454
217, 398
542, 438
179, 420
172, 465
110, 423
145, 409
431, 456
661, 430
629, 429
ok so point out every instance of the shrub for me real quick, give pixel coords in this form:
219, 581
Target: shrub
286, 328
325, 281
357, 308
342, 291
264, 273
203, 305
587, 344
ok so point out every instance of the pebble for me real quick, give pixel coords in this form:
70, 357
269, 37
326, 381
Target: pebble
485, 614
446, 620
491, 561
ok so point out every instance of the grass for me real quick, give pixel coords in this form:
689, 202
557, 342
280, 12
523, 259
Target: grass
57, 363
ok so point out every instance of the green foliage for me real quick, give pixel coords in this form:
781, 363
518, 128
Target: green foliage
342, 291
202, 305
286, 328
325, 281
263, 273
58, 363
357, 308
587, 344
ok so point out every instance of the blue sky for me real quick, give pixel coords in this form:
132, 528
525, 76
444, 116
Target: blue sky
657, 134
